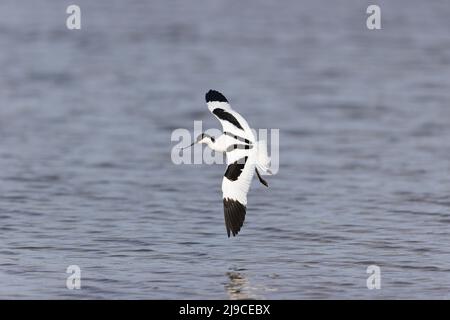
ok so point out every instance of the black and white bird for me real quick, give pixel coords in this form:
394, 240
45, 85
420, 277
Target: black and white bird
244, 154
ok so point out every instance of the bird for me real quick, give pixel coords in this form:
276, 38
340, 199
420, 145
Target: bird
245, 156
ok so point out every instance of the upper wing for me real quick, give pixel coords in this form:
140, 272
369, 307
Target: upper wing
231, 121
235, 185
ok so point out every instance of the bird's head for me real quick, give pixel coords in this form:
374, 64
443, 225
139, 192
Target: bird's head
202, 138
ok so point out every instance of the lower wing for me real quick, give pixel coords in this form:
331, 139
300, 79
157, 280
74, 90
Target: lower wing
235, 186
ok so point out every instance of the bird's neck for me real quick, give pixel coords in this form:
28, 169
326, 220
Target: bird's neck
216, 145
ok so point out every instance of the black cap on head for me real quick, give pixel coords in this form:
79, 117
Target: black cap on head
213, 95
200, 137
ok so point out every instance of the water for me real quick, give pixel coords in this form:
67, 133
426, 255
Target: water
86, 177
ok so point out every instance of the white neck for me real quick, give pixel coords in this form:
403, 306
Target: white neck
216, 145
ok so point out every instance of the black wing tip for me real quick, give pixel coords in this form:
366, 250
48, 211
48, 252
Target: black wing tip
234, 213
213, 95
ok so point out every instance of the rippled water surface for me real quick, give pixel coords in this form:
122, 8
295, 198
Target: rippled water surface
86, 176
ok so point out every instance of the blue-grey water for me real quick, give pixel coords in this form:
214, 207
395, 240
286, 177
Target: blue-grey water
86, 176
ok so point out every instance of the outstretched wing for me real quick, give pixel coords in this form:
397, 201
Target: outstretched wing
240, 159
232, 122
235, 185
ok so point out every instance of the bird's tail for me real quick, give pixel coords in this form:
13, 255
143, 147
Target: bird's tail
262, 158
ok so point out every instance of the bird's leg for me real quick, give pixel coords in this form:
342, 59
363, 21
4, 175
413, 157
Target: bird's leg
264, 182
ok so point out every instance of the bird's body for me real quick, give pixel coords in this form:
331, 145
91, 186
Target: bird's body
244, 156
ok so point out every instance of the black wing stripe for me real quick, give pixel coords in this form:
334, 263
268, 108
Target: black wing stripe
234, 170
234, 213
237, 137
225, 116
238, 146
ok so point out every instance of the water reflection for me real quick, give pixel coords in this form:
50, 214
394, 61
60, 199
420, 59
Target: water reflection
238, 286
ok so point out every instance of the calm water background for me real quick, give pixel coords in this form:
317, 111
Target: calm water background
87, 179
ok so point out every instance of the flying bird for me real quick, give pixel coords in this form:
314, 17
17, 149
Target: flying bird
245, 156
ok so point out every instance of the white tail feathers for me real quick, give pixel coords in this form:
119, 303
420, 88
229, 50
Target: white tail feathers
262, 158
